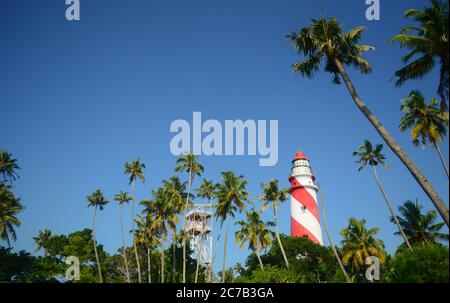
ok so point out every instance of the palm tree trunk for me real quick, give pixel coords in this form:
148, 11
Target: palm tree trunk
174, 260
95, 247
149, 264
259, 258
184, 226
162, 260
391, 209
277, 234
225, 245
123, 244
397, 149
216, 248
198, 260
442, 158
333, 247
134, 235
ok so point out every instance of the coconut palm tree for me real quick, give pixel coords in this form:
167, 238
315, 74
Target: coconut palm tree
254, 232
177, 191
333, 247
428, 45
207, 190
359, 243
428, 124
96, 200
273, 195
8, 167
123, 198
165, 217
9, 208
42, 239
325, 41
420, 227
232, 196
136, 171
147, 235
373, 156
189, 164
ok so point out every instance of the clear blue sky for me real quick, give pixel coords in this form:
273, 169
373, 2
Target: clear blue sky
79, 99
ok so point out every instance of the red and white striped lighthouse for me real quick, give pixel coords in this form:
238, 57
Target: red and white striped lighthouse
305, 220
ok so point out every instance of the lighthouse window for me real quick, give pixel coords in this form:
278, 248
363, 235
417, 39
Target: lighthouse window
301, 163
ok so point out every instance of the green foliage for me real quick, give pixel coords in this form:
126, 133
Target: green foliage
426, 264
358, 243
426, 121
325, 41
272, 274
368, 155
428, 44
308, 262
420, 227
23, 267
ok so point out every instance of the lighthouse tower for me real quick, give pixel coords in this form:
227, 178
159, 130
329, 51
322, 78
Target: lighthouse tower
305, 220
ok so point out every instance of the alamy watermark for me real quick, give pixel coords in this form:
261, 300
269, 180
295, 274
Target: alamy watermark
373, 10
260, 137
73, 271
373, 271
73, 10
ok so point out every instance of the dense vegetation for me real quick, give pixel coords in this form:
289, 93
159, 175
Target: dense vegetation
160, 250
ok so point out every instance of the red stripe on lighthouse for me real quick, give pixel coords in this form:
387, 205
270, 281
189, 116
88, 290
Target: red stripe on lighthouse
297, 230
301, 194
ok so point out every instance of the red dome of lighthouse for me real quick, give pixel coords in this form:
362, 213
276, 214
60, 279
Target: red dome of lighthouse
299, 156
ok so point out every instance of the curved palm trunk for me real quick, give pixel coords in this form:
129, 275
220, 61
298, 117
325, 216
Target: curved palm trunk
442, 158
162, 260
95, 247
397, 149
184, 226
123, 245
225, 245
391, 209
277, 234
259, 258
333, 247
149, 264
134, 235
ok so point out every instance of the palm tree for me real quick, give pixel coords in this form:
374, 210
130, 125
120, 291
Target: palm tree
207, 190
189, 164
136, 171
177, 191
164, 217
231, 196
325, 40
373, 156
428, 43
359, 243
426, 121
96, 200
147, 235
273, 195
420, 227
9, 208
254, 232
42, 239
123, 198
333, 247
8, 166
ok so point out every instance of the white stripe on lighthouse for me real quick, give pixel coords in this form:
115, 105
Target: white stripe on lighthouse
305, 218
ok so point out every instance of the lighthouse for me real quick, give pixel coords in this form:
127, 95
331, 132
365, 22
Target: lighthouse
305, 220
